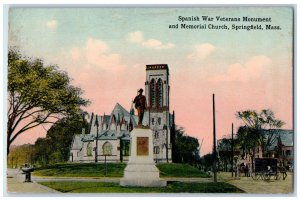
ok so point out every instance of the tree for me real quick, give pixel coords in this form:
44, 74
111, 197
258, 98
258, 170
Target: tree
37, 94
259, 129
20, 155
42, 151
186, 148
225, 152
207, 161
55, 147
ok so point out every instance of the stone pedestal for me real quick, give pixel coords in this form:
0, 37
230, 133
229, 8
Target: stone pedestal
141, 169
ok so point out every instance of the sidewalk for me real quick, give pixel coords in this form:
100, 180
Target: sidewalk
117, 180
16, 185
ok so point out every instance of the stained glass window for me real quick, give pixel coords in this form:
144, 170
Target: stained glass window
152, 94
89, 149
107, 148
160, 93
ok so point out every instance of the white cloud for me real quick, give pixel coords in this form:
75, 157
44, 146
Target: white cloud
52, 24
202, 51
156, 44
135, 37
138, 37
251, 69
96, 54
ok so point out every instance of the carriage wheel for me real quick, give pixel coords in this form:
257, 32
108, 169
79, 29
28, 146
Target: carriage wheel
267, 176
277, 176
254, 176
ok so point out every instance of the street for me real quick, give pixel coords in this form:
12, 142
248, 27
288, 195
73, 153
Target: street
260, 186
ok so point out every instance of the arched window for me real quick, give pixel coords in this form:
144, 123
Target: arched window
156, 149
152, 93
89, 149
107, 148
156, 135
159, 94
159, 120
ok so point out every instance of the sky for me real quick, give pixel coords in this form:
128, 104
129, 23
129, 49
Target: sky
105, 52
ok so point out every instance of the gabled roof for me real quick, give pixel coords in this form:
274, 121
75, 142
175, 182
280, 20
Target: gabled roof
112, 135
106, 118
108, 135
88, 137
286, 138
119, 112
125, 135
103, 135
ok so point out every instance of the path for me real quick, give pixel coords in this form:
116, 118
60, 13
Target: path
16, 184
117, 180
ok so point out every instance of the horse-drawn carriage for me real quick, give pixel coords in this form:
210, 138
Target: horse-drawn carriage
266, 169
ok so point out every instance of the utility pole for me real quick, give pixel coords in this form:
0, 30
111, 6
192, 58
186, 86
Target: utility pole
167, 139
214, 148
232, 151
200, 146
96, 150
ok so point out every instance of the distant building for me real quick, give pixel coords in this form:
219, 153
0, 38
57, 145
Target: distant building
281, 147
113, 141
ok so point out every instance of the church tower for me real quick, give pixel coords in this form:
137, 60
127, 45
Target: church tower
157, 115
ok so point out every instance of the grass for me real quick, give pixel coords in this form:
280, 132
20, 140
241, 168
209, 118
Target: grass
81, 170
113, 170
180, 170
174, 187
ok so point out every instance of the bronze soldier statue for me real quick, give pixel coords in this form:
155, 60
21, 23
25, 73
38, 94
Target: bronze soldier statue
140, 104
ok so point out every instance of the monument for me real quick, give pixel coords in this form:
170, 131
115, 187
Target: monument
140, 105
141, 169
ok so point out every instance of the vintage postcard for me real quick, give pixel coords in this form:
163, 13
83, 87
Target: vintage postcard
158, 100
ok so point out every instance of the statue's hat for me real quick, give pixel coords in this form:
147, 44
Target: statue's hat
141, 90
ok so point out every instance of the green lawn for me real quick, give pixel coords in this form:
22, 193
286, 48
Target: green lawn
174, 187
179, 170
81, 170
113, 170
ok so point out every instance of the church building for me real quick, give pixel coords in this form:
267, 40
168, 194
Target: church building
108, 138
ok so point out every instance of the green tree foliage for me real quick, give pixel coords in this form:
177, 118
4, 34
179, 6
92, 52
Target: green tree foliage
225, 153
259, 130
186, 148
57, 144
207, 162
37, 94
20, 155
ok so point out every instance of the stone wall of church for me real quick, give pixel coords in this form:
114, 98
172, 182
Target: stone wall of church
161, 136
115, 153
75, 155
84, 153
86, 156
